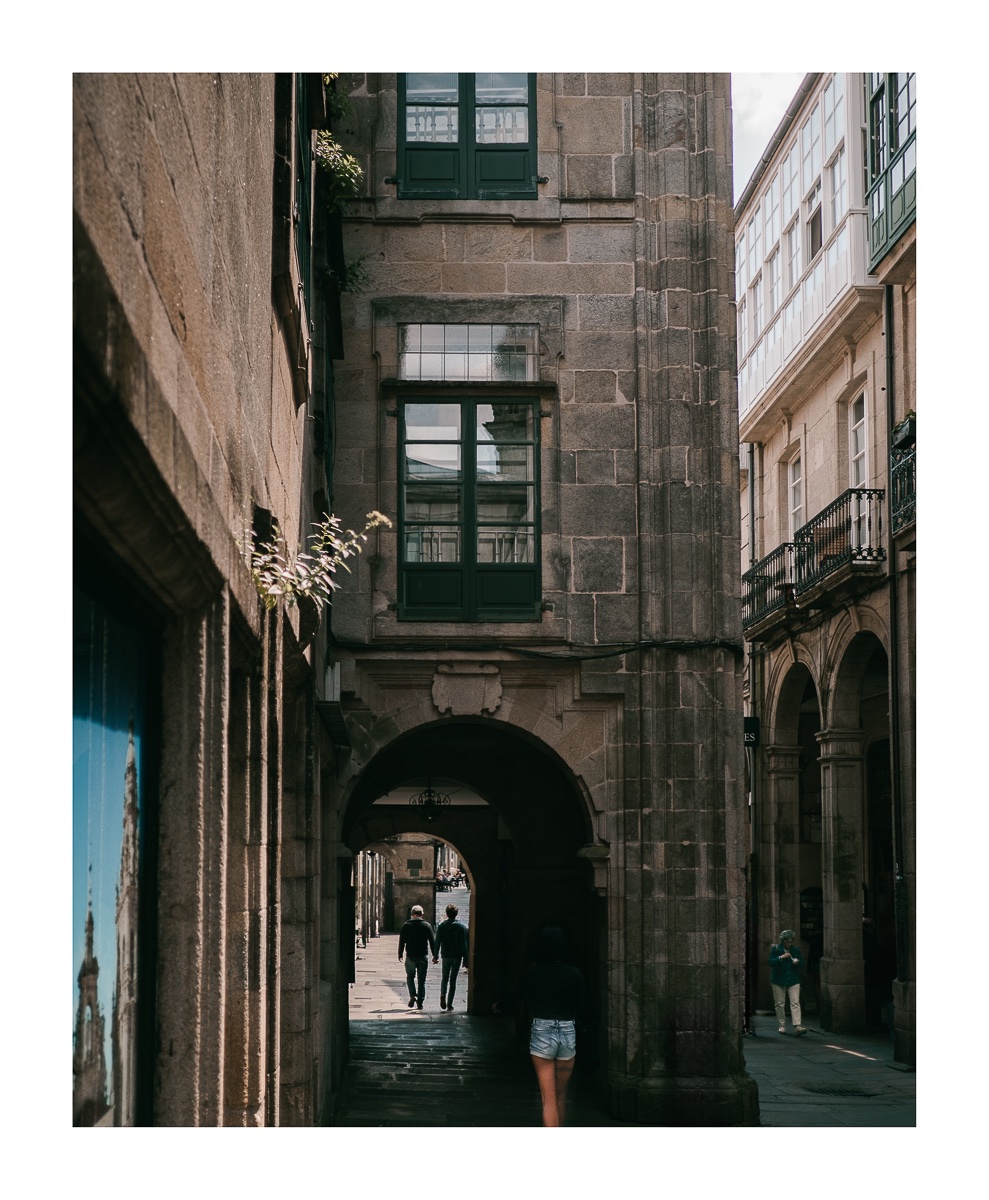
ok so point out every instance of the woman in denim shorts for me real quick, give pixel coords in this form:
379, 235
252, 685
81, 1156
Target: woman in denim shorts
554, 993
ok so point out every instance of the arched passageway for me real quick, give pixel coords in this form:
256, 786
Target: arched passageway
517, 819
826, 843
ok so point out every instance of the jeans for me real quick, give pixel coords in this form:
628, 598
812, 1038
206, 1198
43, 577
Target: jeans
448, 986
552, 1039
415, 974
780, 994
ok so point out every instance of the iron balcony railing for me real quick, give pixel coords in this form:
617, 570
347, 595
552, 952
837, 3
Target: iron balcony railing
903, 494
769, 585
849, 531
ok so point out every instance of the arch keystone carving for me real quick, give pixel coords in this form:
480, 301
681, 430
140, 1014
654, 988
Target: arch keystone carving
467, 689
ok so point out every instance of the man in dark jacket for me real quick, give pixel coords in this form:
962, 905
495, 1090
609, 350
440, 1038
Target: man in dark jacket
785, 961
451, 940
415, 941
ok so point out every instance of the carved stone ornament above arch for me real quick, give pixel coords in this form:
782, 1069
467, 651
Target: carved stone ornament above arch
467, 689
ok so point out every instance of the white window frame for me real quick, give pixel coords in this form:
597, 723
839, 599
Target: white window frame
810, 148
790, 190
834, 113
756, 307
774, 271
838, 187
754, 235
795, 494
858, 465
771, 207
794, 255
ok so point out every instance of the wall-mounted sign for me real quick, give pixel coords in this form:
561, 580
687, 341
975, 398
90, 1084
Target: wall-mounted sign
751, 731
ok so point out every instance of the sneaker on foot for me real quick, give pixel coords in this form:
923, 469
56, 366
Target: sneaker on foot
442, 1002
418, 1005
411, 1002
800, 1031
782, 1030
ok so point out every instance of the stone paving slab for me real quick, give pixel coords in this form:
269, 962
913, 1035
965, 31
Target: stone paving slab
827, 1079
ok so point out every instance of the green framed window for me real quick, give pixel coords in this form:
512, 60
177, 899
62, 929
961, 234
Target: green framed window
468, 508
467, 136
892, 160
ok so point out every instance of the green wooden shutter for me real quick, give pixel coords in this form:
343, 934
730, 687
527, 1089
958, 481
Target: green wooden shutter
431, 170
504, 172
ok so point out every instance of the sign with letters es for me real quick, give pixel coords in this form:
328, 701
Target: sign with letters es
751, 731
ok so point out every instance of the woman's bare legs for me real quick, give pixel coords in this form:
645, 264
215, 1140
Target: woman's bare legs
564, 1069
553, 1076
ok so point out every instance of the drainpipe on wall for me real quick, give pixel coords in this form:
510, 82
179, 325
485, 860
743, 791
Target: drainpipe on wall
899, 888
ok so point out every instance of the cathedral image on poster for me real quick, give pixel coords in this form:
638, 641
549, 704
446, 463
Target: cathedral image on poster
106, 760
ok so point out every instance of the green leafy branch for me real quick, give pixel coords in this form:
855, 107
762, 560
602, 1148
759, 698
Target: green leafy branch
281, 576
345, 172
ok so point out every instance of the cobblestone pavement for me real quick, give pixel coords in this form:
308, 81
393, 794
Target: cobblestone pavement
434, 1067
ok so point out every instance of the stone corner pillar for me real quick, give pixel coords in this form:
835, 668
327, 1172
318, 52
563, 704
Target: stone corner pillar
842, 965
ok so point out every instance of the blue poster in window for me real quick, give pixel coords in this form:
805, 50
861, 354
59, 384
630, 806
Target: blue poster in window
108, 730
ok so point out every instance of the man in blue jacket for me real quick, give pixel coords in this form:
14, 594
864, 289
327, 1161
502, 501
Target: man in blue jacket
451, 941
415, 941
785, 961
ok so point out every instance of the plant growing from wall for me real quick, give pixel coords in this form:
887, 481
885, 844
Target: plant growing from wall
281, 576
345, 178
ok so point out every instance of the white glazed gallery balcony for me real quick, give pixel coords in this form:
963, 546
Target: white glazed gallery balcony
834, 299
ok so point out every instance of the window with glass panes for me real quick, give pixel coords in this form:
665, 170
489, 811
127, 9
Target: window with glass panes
834, 105
892, 160
755, 306
815, 227
810, 148
775, 284
467, 136
773, 214
857, 467
468, 507
794, 248
839, 188
796, 495
791, 182
754, 237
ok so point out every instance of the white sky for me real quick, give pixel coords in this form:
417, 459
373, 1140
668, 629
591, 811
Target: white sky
759, 101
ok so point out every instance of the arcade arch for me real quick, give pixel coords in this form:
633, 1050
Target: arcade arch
826, 827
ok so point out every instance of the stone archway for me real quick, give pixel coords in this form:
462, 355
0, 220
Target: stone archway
857, 719
523, 841
789, 839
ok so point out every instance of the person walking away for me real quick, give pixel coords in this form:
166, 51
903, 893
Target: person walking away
416, 940
786, 961
555, 995
451, 942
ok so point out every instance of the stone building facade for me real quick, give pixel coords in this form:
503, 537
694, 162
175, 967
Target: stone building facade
199, 372
537, 384
826, 283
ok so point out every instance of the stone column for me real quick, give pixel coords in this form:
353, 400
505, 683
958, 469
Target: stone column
780, 848
676, 1012
193, 855
842, 967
